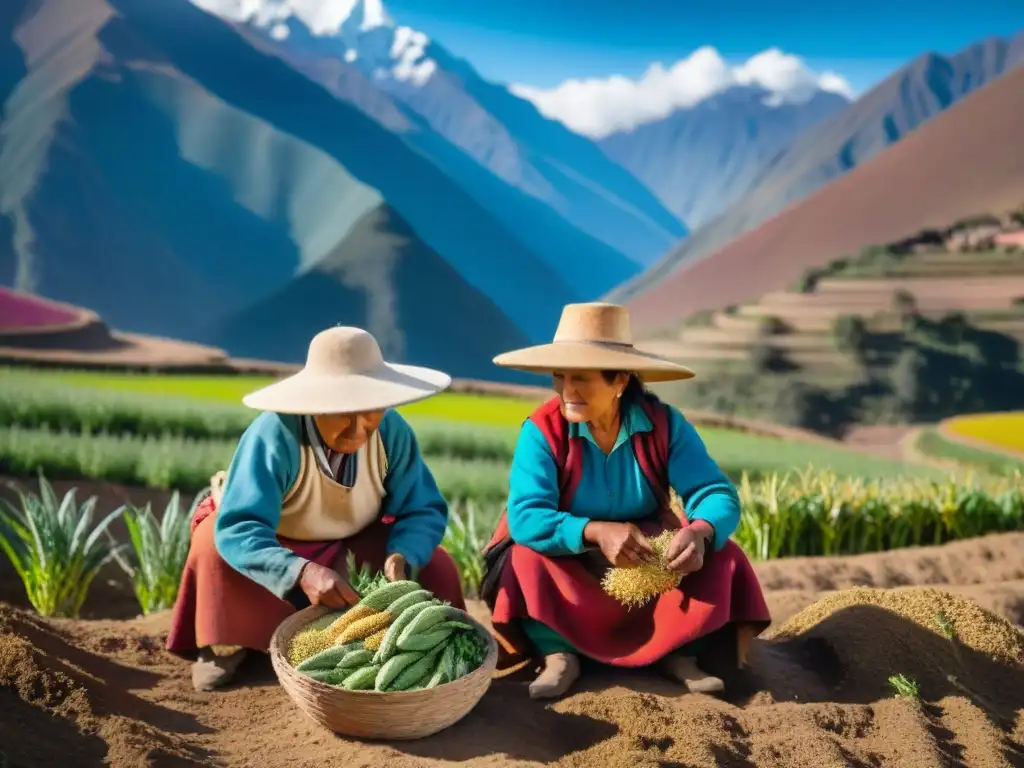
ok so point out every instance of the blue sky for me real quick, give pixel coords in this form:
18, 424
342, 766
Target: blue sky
544, 42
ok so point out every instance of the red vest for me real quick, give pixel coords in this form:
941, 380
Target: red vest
650, 449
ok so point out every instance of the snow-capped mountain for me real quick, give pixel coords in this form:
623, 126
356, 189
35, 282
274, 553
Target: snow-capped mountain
470, 127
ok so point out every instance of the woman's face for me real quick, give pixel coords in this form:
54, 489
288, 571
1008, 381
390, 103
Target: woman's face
348, 432
587, 395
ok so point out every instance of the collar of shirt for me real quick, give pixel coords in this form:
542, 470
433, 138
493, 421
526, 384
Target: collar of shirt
633, 420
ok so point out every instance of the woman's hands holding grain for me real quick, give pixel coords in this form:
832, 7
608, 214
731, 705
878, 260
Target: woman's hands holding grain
622, 544
686, 552
326, 587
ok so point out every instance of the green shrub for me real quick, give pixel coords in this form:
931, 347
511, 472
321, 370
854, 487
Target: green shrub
54, 547
848, 332
159, 550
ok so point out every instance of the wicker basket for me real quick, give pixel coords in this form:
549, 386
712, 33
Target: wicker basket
399, 715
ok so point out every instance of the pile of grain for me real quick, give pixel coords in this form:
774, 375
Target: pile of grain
933, 609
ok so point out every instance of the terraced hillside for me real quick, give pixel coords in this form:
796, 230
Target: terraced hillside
865, 331
37, 331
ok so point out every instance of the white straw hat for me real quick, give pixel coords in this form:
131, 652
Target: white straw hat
594, 336
345, 372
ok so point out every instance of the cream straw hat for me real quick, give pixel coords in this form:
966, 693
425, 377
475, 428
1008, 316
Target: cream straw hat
594, 336
345, 372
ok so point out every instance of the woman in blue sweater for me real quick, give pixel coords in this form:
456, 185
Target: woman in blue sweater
591, 480
329, 468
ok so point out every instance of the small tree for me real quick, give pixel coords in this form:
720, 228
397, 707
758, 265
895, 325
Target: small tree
954, 327
848, 332
769, 325
808, 281
904, 303
909, 381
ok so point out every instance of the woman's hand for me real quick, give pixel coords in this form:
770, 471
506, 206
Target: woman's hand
686, 552
623, 544
396, 568
326, 587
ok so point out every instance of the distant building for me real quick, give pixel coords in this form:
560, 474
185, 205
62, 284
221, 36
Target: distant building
1010, 238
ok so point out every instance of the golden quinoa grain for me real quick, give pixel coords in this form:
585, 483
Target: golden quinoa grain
633, 587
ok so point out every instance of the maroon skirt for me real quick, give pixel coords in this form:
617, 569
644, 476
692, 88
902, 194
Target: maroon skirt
565, 593
217, 605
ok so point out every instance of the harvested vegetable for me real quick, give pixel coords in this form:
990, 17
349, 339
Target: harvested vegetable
398, 638
408, 600
363, 628
328, 658
635, 586
389, 645
363, 581
383, 596
372, 643
356, 658
425, 640
427, 619
417, 672
348, 618
362, 679
393, 667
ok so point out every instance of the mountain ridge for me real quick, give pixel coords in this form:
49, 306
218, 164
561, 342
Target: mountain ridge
504, 133
141, 94
892, 196
828, 149
700, 159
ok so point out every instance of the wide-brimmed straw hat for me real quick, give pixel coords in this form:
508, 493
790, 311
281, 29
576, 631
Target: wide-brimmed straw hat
345, 372
594, 336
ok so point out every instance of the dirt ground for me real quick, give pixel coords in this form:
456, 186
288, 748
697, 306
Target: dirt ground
816, 693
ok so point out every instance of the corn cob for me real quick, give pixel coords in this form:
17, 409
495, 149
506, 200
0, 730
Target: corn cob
425, 640
393, 667
326, 659
418, 671
348, 618
383, 596
356, 658
408, 600
365, 627
372, 643
362, 679
428, 618
389, 645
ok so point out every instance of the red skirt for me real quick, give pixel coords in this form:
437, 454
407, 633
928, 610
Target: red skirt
217, 605
564, 594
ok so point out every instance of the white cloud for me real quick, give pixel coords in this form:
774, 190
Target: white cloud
323, 17
597, 107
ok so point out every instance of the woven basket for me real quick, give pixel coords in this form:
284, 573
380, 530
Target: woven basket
399, 715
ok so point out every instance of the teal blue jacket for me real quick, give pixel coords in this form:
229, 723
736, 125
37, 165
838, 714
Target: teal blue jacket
266, 465
613, 487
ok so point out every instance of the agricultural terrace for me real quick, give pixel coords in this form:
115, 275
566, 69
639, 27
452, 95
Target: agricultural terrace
907, 332
935, 447
21, 312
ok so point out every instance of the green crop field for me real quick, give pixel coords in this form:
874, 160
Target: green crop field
465, 428
931, 443
451, 406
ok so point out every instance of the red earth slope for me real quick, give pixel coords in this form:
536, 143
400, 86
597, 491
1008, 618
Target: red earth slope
970, 159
